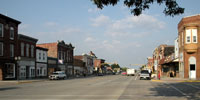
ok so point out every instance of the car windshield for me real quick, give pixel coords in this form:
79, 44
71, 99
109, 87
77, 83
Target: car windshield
144, 72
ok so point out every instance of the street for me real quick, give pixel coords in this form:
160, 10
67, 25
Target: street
111, 87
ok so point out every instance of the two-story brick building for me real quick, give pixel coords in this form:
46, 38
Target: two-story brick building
27, 54
63, 52
8, 47
88, 59
189, 47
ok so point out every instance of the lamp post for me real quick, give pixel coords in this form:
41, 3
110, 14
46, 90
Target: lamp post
17, 59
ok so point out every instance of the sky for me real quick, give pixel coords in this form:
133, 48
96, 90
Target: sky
113, 33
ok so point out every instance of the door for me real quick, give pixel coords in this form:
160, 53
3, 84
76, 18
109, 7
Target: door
192, 68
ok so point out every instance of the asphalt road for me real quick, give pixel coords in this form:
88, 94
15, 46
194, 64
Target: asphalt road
113, 87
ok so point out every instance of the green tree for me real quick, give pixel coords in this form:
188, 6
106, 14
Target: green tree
124, 69
115, 66
137, 6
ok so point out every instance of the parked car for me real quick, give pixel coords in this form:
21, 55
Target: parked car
144, 74
57, 75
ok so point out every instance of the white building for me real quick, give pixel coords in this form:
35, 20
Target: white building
41, 62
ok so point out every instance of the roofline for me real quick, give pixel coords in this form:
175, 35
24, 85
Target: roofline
4, 16
25, 36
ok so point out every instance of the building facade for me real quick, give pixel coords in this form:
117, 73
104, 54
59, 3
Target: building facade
27, 54
41, 62
79, 68
8, 47
52, 65
64, 53
88, 60
189, 47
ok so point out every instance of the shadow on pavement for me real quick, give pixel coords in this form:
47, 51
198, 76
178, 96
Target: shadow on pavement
8, 88
190, 91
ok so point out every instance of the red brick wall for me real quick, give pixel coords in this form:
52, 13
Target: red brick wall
52, 49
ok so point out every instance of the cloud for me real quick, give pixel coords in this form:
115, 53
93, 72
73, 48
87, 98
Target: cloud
100, 21
130, 26
90, 39
50, 24
93, 10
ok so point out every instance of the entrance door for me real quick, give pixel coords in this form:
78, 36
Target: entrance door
192, 67
192, 71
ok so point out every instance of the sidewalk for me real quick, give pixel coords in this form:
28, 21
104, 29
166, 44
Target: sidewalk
169, 79
13, 82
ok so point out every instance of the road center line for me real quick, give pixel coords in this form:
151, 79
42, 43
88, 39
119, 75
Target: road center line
136, 77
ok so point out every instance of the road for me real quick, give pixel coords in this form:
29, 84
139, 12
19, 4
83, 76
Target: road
112, 87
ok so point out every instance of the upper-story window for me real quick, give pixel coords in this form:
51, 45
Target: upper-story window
11, 50
27, 50
11, 33
32, 51
194, 35
22, 49
1, 48
188, 36
39, 56
60, 55
191, 35
43, 56
182, 38
1, 30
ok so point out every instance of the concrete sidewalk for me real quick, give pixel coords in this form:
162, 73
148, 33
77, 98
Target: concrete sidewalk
13, 82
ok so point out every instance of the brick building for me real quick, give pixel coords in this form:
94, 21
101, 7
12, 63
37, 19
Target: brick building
99, 67
27, 54
150, 63
63, 52
89, 62
189, 47
79, 67
8, 47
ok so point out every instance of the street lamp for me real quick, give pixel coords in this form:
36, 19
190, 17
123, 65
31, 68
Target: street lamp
17, 59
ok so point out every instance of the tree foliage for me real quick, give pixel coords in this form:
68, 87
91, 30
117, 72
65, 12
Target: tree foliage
137, 6
115, 66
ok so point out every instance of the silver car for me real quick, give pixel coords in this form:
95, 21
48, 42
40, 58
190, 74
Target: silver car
57, 75
144, 74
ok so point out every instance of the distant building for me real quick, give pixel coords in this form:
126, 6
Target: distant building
150, 63
79, 68
8, 47
99, 67
88, 60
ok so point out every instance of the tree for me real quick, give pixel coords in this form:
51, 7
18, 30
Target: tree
137, 6
115, 66
124, 69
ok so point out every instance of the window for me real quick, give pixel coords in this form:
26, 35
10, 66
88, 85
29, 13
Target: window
1, 49
43, 56
22, 49
10, 70
1, 30
27, 50
188, 36
11, 33
60, 55
194, 35
182, 38
39, 56
32, 51
11, 50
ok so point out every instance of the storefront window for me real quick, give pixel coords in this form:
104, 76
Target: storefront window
10, 71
